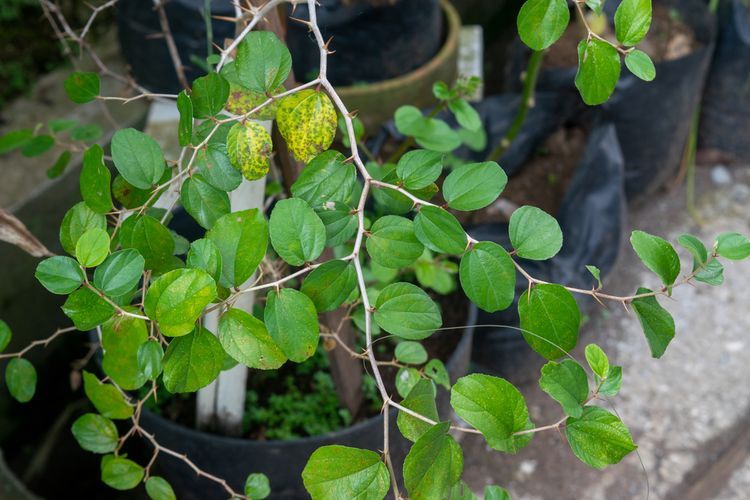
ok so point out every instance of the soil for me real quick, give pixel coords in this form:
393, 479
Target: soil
265, 384
541, 182
669, 38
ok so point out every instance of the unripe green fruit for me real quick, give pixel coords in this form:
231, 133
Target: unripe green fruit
249, 147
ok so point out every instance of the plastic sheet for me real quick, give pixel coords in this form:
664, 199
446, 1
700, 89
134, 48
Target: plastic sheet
725, 111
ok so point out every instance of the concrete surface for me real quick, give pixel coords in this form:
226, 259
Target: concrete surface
689, 411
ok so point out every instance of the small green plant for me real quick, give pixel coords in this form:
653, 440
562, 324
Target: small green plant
148, 292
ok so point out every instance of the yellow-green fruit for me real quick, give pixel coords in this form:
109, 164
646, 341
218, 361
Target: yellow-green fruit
241, 101
307, 121
249, 147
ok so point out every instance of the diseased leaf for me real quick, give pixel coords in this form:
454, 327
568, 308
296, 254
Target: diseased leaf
307, 121
82, 87
249, 147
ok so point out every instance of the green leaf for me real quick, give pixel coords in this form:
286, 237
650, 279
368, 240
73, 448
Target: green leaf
327, 178
192, 361
216, 168
465, 114
20, 377
657, 323
566, 383
657, 254
86, 309
598, 438
204, 254
38, 145
137, 157
307, 121
176, 300
420, 168
242, 239
15, 139
151, 239
597, 360
82, 87
495, 407
733, 246
149, 359
550, 320
292, 321
95, 433
5, 335
439, 230
632, 21
641, 65
340, 223
406, 310
461, 491
79, 219
596, 273
106, 398
411, 353
257, 486
474, 186
337, 472
436, 370
57, 169
121, 473
297, 233
329, 285
492, 492
95, 181
535, 234
185, 126
430, 133
60, 275
406, 379
707, 270
263, 61
434, 464
209, 94
392, 242
92, 247
488, 276
611, 385
121, 338
203, 202
86, 133
598, 71
438, 274
421, 399
249, 148
246, 340
542, 22
127, 194
119, 273
157, 488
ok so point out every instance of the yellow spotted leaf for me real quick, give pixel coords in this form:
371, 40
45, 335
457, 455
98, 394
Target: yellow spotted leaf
307, 121
241, 101
249, 147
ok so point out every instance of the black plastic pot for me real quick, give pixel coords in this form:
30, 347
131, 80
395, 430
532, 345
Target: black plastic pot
374, 40
652, 118
592, 217
146, 52
282, 461
725, 111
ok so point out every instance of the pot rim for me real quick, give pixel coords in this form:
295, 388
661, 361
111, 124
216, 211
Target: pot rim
453, 23
195, 434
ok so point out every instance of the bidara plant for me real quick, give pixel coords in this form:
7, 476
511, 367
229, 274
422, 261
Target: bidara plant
124, 277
